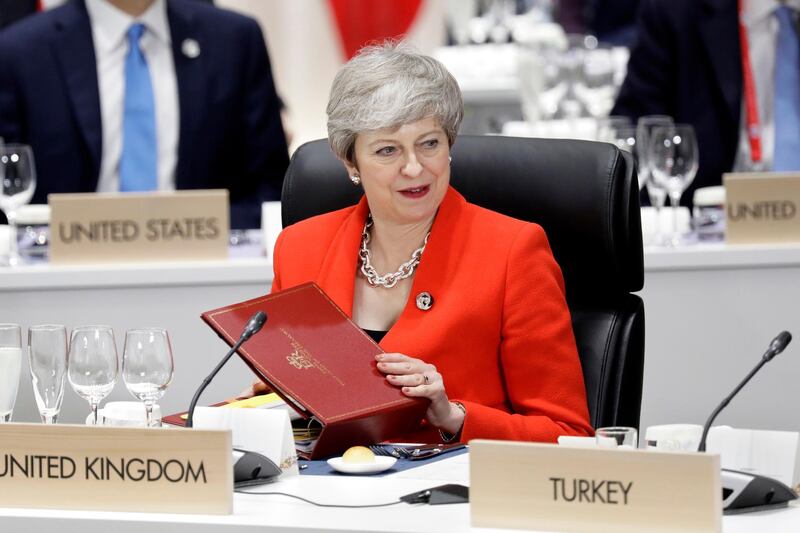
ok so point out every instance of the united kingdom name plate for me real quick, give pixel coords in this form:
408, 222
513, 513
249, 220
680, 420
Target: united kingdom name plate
116, 469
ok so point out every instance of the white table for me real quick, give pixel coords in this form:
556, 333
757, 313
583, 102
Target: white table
277, 513
710, 313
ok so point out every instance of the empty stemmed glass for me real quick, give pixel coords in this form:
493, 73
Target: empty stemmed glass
658, 196
17, 183
47, 350
624, 137
595, 86
93, 365
674, 161
10, 363
147, 366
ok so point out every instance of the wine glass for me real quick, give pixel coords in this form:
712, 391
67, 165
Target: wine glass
644, 129
47, 350
624, 138
92, 364
595, 86
147, 366
10, 363
607, 126
17, 183
674, 160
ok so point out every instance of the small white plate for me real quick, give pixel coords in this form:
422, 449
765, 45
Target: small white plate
381, 463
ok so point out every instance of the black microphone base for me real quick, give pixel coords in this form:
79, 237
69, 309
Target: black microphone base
252, 468
743, 492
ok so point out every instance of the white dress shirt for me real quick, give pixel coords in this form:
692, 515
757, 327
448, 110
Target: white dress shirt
109, 31
762, 32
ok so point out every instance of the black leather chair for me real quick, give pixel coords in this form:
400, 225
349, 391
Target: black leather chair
585, 195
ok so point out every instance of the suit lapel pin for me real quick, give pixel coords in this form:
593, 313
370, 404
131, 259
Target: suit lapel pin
190, 48
424, 301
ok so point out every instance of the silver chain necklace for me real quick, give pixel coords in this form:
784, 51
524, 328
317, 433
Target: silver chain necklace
389, 280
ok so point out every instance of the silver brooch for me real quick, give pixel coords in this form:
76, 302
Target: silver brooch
424, 301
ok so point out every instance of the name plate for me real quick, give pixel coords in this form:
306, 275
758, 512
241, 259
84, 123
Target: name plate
591, 489
124, 227
762, 207
116, 469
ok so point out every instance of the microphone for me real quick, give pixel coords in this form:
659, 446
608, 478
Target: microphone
777, 345
253, 326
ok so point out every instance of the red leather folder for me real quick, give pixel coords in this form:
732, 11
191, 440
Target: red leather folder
323, 365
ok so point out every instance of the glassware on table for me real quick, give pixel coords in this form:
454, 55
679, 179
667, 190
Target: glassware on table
92, 364
147, 366
10, 364
624, 138
542, 79
617, 437
673, 156
595, 86
644, 128
17, 183
47, 350
607, 127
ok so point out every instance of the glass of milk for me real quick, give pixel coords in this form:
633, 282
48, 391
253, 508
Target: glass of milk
10, 363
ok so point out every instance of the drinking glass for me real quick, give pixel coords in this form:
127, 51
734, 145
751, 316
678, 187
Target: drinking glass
10, 362
147, 366
644, 128
607, 127
92, 364
542, 77
47, 350
674, 160
617, 437
595, 87
17, 183
624, 137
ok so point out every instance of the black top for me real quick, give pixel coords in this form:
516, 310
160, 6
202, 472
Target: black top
377, 336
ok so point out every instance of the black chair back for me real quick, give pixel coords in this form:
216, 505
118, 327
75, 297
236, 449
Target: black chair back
585, 196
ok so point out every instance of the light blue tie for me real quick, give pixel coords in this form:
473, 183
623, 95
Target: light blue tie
787, 93
137, 165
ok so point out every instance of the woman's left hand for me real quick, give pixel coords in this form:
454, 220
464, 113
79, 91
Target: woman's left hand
421, 380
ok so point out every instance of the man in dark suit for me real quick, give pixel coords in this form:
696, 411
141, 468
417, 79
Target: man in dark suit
690, 64
687, 65
14, 10
226, 115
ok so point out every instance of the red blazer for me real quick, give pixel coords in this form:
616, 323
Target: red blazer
499, 330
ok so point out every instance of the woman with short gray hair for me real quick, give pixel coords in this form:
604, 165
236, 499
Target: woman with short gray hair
387, 86
455, 294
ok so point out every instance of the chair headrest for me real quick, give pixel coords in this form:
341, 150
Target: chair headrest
584, 194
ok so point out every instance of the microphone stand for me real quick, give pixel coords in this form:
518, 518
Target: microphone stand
725, 402
253, 326
745, 492
777, 345
207, 381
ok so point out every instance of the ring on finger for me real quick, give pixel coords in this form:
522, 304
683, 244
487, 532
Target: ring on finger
426, 379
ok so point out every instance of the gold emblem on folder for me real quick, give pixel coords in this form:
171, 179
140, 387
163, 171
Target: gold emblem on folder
299, 360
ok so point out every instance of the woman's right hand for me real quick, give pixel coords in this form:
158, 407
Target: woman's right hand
256, 389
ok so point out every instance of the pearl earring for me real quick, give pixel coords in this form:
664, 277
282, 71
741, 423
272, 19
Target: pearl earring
356, 179
450, 158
